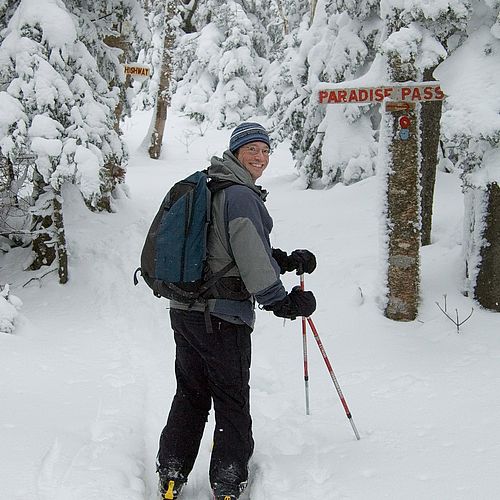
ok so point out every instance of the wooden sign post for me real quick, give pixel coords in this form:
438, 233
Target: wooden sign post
401, 122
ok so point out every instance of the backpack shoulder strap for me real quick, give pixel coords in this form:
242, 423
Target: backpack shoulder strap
216, 185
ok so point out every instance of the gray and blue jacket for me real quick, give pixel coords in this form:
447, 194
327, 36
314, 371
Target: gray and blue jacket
240, 231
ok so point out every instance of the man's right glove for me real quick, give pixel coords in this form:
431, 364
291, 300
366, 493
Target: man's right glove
297, 303
302, 261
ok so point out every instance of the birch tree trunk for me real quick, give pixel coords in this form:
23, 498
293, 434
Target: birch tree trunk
163, 97
314, 3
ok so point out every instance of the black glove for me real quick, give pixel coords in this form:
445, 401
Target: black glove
303, 261
283, 260
296, 303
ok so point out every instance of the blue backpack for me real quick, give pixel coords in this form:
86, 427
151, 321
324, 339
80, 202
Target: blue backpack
173, 259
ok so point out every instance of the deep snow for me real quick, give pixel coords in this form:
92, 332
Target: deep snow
87, 376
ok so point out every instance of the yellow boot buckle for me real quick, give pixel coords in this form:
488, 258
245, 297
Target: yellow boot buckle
169, 494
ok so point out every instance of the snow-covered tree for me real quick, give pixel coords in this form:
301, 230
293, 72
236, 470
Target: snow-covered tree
9, 309
222, 81
7, 8
61, 111
337, 44
285, 78
114, 31
13, 175
471, 133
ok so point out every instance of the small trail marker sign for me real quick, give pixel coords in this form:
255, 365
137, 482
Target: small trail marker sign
393, 106
139, 71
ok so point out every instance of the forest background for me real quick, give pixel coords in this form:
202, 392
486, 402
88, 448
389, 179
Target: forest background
86, 361
64, 96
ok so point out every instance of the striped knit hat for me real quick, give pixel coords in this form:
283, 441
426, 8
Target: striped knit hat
248, 132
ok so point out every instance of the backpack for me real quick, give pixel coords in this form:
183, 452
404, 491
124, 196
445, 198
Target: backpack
173, 259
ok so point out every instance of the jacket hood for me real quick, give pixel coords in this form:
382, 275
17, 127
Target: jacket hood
229, 168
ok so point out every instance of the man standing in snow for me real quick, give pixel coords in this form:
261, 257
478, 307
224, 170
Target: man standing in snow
213, 352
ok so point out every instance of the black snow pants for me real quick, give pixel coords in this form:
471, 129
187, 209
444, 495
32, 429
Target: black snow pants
209, 367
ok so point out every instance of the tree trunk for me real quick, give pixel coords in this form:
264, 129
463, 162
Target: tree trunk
314, 3
43, 252
403, 206
60, 238
12, 183
187, 13
112, 174
163, 97
430, 116
49, 242
487, 289
113, 170
120, 42
281, 12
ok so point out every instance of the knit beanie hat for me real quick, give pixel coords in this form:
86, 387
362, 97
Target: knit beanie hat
248, 132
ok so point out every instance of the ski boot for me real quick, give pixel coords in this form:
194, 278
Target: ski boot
170, 488
223, 491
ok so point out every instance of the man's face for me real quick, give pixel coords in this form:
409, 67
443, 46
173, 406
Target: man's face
254, 156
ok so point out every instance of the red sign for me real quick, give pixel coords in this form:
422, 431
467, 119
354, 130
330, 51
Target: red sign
404, 122
404, 92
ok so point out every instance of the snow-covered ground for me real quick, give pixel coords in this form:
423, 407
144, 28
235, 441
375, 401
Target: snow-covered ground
86, 379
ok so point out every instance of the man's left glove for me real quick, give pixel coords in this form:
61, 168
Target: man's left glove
296, 303
303, 261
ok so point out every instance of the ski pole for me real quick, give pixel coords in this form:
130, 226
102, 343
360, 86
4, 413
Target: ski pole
330, 370
304, 349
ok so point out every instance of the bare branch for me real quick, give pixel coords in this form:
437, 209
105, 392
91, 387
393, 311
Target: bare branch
457, 321
39, 278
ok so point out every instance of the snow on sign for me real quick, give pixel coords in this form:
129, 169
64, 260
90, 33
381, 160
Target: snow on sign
402, 92
139, 71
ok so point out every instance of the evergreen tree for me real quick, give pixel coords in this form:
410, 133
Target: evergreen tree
471, 135
224, 73
285, 78
337, 44
7, 8
62, 112
114, 32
